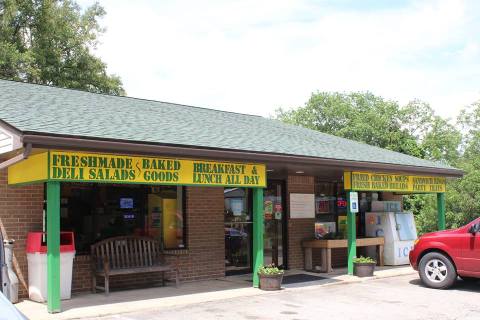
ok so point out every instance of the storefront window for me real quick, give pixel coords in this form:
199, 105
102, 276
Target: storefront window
331, 210
273, 239
96, 212
238, 230
325, 210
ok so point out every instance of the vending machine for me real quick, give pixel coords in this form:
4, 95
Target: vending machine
398, 230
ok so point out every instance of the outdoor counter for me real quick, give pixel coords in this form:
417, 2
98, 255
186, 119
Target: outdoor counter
326, 247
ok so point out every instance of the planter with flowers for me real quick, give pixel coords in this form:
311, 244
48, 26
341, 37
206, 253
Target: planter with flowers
270, 277
363, 266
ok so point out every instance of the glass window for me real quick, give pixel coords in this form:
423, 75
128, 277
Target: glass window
165, 218
95, 212
330, 210
238, 230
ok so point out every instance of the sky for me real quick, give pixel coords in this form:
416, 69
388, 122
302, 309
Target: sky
256, 56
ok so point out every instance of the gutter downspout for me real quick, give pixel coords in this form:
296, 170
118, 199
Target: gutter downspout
24, 155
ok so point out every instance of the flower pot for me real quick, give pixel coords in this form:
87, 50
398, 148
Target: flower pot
270, 282
363, 269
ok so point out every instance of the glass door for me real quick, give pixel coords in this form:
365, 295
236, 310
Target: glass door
238, 231
274, 214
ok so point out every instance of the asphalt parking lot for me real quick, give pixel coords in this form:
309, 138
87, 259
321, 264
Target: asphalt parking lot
402, 297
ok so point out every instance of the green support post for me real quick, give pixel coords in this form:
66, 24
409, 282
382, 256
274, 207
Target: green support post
53, 247
351, 232
258, 229
441, 211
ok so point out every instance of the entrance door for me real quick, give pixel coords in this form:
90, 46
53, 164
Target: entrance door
274, 249
238, 231
469, 258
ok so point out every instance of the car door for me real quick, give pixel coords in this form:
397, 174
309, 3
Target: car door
470, 253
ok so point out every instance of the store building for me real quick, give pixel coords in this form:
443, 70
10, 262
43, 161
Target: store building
227, 192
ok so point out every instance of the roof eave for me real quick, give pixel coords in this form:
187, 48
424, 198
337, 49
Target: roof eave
93, 144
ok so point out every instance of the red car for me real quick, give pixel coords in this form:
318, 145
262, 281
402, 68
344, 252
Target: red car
441, 256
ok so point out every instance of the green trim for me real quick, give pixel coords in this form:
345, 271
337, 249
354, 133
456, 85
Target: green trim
351, 234
53, 247
142, 183
441, 211
258, 230
161, 183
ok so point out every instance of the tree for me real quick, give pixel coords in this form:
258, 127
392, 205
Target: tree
359, 116
412, 129
50, 42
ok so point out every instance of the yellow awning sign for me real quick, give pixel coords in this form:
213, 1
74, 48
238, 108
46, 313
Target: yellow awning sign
371, 181
111, 168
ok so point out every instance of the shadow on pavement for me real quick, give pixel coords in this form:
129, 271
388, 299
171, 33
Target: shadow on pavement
460, 285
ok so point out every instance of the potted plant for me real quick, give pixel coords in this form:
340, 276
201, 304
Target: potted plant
363, 266
270, 277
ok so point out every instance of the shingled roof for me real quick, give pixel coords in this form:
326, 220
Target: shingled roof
39, 109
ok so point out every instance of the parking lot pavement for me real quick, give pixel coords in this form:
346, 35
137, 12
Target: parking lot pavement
400, 297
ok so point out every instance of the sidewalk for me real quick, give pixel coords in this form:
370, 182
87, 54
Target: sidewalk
97, 305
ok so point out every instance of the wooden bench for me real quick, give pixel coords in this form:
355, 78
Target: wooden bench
326, 247
128, 255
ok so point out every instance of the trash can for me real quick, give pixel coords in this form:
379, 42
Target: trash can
37, 265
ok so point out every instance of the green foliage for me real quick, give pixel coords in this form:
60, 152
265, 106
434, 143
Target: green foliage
413, 129
351, 116
50, 42
270, 269
363, 259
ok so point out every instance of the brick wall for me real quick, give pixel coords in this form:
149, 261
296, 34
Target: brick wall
206, 235
21, 210
298, 229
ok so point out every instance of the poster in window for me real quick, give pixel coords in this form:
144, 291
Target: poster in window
342, 225
278, 211
154, 219
323, 205
236, 205
170, 223
322, 229
268, 209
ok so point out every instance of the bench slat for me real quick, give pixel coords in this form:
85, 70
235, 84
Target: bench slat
140, 251
134, 253
137, 270
112, 257
123, 257
128, 253
149, 250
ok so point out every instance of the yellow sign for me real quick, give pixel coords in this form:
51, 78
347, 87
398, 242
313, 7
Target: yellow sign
370, 181
108, 168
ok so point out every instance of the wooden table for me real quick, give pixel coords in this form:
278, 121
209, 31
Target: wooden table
326, 247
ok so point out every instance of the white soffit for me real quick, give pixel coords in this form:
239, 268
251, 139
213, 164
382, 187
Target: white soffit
9, 140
